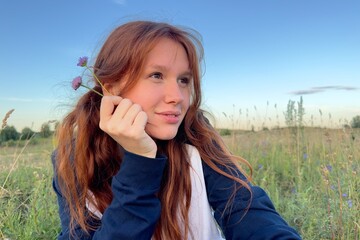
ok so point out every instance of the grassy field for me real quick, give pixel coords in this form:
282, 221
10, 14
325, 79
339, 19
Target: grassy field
28, 208
311, 174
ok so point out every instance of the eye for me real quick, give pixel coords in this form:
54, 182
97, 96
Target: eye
184, 81
156, 75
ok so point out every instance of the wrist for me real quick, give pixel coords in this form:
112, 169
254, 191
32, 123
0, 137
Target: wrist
149, 154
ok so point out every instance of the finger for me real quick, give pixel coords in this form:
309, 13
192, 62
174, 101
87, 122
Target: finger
107, 106
141, 120
129, 118
122, 109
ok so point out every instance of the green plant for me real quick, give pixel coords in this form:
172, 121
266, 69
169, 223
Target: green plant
322, 183
355, 122
294, 117
28, 208
27, 133
225, 132
9, 133
45, 131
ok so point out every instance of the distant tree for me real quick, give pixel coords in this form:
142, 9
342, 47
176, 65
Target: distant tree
355, 122
45, 130
9, 133
27, 133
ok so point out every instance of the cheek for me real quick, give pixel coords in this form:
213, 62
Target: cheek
187, 104
143, 98
188, 99
148, 100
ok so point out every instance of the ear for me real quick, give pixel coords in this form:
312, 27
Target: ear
113, 89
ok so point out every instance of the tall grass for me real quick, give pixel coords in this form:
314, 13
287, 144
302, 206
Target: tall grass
311, 174
313, 179
28, 207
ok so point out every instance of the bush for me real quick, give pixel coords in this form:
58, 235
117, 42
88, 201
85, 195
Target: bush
225, 132
10, 143
9, 133
45, 131
355, 122
27, 133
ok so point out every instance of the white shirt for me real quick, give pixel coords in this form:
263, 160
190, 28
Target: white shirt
201, 220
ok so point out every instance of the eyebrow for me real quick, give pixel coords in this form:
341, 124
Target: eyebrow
164, 69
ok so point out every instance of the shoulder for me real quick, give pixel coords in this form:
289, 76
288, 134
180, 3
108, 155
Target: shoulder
222, 170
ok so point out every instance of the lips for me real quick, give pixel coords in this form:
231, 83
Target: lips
172, 117
170, 113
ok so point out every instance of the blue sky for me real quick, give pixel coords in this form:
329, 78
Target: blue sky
258, 54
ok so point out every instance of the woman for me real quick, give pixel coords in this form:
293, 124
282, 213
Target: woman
142, 162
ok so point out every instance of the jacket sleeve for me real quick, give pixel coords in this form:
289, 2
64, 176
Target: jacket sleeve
134, 210
260, 220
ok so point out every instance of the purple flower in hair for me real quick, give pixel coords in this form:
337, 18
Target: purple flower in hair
76, 82
82, 62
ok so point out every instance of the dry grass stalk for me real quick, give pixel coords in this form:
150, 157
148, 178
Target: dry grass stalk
15, 162
4, 121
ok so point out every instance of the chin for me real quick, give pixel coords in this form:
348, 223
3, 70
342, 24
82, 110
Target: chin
163, 134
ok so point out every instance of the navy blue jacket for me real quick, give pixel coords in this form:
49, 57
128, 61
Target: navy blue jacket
135, 209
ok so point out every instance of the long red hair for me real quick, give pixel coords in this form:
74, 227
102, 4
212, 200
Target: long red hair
88, 158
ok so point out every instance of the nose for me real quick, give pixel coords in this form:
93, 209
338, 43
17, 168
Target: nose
173, 93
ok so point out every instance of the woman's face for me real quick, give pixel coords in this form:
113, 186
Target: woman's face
164, 88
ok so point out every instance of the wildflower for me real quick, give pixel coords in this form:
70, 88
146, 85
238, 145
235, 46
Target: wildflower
260, 166
349, 202
82, 62
329, 167
305, 156
344, 195
77, 82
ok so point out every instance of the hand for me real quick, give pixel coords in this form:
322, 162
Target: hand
125, 122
